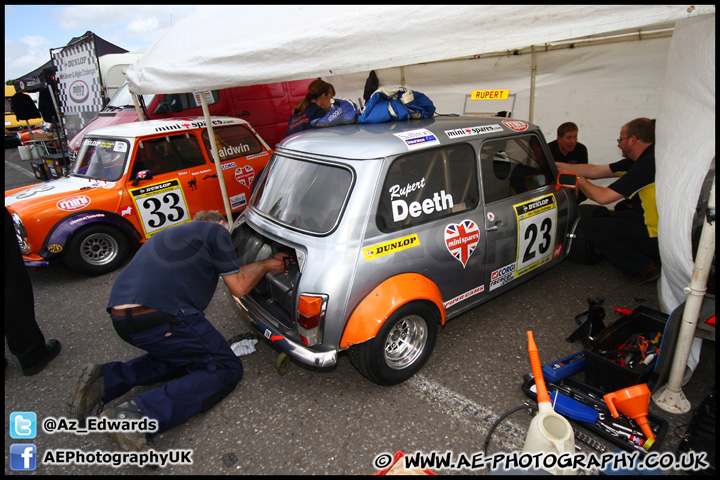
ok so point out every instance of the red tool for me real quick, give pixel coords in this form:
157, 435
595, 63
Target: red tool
643, 344
623, 311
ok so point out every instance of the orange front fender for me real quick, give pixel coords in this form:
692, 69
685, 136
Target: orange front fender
387, 297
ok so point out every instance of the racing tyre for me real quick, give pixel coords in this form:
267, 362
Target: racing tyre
96, 250
401, 347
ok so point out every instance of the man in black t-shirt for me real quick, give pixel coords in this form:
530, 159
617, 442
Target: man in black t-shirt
628, 238
157, 304
567, 149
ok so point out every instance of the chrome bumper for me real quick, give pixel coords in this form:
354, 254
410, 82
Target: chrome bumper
298, 351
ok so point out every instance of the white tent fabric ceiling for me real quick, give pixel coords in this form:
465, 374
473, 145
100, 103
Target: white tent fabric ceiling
230, 46
673, 81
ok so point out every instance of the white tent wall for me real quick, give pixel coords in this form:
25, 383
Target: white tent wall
685, 149
599, 87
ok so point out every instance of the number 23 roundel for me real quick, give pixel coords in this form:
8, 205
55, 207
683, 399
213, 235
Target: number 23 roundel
160, 206
537, 222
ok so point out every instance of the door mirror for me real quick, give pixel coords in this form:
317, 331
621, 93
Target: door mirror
142, 175
567, 180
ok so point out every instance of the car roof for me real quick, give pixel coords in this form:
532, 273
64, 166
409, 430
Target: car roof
152, 127
379, 140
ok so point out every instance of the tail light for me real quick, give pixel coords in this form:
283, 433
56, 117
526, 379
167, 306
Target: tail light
311, 313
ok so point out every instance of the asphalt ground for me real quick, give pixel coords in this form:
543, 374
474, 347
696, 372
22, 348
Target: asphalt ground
332, 421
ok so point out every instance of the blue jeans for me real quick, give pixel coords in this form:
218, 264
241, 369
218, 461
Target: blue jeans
184, 348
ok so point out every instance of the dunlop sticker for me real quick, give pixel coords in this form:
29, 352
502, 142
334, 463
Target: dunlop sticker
382, 249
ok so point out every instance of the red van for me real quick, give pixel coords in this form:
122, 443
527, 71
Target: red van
266, 107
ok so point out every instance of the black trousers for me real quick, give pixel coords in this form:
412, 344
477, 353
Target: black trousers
24, 338
623, 241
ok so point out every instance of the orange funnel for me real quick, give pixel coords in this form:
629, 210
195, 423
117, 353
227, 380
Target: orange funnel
633, 402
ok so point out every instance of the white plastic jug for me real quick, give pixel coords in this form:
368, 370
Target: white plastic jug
549, 432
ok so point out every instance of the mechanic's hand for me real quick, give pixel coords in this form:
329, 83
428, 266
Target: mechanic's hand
562, 167
281, 256
276, 264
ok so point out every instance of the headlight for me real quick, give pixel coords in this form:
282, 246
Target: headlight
21, 234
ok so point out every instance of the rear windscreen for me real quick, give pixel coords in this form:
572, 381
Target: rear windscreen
304, 195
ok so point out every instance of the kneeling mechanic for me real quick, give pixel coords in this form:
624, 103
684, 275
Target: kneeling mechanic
157, 304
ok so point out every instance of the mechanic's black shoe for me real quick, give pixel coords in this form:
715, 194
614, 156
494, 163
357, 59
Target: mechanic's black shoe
86, 398
127, 440
52, 350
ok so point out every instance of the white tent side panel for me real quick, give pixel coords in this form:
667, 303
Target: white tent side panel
685, 149
600, 87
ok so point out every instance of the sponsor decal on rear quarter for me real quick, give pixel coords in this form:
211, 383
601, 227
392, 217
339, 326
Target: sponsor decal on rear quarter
382, 249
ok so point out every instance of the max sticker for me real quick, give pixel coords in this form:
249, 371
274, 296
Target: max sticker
517, 125
461, 240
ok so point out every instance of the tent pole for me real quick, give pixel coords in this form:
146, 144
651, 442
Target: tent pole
138, 110
533, 71
670, 396
216, 157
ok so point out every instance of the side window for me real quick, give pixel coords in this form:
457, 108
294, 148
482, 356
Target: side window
233, 141
168, 154
180, 102
511, 166
428, 185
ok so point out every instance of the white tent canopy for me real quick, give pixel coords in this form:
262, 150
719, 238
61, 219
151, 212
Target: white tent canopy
231, 46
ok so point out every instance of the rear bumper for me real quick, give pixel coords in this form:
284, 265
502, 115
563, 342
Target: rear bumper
295, 350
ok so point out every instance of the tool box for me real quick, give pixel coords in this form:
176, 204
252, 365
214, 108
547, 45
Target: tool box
622, 431
700, 434
625, 353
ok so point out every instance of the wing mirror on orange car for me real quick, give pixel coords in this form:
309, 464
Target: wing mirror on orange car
142, 175
567, 180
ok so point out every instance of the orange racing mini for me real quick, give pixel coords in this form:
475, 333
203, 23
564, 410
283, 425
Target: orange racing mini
129, 182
